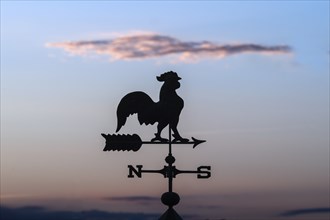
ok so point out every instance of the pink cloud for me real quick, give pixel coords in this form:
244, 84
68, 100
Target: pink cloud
144, 46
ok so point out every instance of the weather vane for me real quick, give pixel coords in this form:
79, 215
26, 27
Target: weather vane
166, 112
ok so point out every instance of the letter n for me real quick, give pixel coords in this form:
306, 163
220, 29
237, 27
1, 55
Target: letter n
132, 170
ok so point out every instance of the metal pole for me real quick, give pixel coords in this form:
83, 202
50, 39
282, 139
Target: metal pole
170, 177
170, 141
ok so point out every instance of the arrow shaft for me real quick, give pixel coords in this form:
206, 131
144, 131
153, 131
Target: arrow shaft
150, 142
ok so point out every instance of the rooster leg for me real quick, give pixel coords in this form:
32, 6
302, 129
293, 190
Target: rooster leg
157, 137
176, 135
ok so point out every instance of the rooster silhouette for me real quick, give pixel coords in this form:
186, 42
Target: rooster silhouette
165, 112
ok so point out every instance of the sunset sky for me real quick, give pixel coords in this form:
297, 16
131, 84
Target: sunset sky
255, 81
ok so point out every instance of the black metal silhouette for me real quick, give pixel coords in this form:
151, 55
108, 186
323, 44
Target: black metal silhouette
165, 112
122, 142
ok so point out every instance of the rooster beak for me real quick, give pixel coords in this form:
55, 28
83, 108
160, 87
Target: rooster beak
159, 78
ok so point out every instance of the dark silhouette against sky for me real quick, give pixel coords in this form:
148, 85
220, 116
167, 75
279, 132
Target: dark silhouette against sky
166, 111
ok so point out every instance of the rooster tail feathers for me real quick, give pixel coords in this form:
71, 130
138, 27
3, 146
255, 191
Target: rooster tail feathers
135, 102
121, 120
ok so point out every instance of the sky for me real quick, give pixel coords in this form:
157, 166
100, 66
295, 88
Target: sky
255, 85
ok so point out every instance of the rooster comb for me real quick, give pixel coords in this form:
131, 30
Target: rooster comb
168, 75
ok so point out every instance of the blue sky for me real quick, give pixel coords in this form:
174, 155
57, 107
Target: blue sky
264, 113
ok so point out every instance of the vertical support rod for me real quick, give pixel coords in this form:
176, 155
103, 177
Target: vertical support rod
170, 141
170, 178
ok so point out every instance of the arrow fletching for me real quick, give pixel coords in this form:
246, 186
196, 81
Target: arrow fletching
122, 142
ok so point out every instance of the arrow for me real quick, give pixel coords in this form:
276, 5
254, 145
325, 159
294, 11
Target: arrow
133, 142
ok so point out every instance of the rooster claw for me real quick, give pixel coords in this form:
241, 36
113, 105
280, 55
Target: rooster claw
160, 139
182, 140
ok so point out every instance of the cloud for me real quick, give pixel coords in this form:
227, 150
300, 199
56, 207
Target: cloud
133, 198
207, 207
39, 213
15, 196
296, 212
152, 45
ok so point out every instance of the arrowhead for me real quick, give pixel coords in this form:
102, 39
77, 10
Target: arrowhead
197, 142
